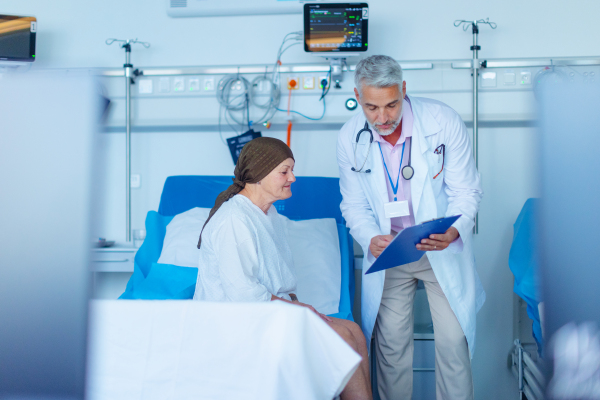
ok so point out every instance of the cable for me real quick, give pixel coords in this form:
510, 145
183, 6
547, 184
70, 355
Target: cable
326, 85
230, 104
236, 106
325, 90
547, 76
307, 117
271, 105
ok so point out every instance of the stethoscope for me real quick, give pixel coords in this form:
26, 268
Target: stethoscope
407, 172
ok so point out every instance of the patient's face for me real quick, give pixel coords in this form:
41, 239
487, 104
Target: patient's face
277, 184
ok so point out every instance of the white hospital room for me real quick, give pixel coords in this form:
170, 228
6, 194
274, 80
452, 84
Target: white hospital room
299, 199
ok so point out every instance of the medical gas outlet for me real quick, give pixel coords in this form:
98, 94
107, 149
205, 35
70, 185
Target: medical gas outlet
292, 83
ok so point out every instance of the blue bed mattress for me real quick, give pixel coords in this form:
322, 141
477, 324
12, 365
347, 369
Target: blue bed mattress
523, 261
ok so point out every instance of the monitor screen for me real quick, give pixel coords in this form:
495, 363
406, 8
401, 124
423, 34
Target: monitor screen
336, 27
17, 38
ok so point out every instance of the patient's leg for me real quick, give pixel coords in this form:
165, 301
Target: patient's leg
360, 339
359, 386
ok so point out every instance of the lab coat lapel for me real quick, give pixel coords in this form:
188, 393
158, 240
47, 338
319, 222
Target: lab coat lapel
423, 125
378, 173
375, 164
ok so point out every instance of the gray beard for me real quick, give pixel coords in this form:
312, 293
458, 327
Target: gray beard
393, 128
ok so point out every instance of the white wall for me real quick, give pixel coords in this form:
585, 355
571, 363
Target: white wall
72, 33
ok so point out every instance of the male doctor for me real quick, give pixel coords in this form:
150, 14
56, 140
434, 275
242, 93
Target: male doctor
381, 197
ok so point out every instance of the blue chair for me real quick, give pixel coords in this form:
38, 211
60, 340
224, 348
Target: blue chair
313, 197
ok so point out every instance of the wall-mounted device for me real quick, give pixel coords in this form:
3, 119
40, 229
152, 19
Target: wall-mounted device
17, 38
336, 27
336, 31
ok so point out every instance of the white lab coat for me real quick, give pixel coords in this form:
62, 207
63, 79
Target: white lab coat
456, 191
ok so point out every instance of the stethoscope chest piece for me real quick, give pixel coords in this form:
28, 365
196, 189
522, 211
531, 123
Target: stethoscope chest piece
408, 172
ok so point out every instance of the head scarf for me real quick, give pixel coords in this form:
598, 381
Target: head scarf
258, 158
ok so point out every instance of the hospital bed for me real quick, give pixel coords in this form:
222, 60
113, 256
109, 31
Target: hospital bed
525, 363
162, 347
313, 197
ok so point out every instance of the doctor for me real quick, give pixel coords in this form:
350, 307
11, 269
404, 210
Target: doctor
412, 162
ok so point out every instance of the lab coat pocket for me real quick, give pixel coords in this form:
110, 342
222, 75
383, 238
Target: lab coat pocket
436, 171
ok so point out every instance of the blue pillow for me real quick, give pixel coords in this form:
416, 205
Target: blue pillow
149, 252
165, 282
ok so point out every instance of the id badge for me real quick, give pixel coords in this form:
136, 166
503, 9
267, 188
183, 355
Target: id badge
396, 209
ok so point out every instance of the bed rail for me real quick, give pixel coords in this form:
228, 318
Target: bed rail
528, 372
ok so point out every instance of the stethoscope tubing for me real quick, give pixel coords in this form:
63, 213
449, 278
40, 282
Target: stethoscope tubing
410, 171
364, 129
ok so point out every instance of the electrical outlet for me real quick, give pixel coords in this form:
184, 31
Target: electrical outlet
194, 84
179, 84
145, 86
237, 87
136, 181
209, 84
164, 85
321, 78
488, 79
308, 82
510, 78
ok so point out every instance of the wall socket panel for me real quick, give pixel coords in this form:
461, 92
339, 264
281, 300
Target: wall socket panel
136, 181
194, 84
209, 84
179, 84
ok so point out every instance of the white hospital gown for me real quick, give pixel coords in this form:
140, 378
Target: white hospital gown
245, 255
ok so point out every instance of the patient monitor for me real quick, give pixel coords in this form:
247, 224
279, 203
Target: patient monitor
17, 38
331, 28
336, 31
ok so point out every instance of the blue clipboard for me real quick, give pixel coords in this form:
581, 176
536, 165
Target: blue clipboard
403, 250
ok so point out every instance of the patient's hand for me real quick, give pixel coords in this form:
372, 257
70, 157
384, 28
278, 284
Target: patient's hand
297, 303
323, 316
379, 243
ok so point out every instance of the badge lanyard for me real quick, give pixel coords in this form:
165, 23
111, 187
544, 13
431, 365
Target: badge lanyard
394, 188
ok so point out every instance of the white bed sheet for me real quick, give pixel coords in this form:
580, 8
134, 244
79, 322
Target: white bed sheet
199, 350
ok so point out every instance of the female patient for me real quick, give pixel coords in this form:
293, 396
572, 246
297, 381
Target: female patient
244, 251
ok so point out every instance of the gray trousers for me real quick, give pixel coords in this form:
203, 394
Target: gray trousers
393, 335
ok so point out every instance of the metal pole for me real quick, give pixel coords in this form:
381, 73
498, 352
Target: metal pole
475, 49
520, 352
475, 68
129, 74
128, 71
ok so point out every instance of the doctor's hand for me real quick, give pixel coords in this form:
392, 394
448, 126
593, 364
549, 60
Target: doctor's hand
379, 243
439, 242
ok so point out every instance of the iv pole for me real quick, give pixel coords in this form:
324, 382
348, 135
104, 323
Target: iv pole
129, 73
476, 65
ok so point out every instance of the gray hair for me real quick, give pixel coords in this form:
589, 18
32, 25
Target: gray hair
378, 71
